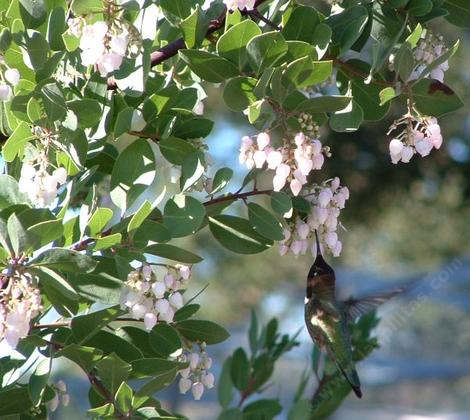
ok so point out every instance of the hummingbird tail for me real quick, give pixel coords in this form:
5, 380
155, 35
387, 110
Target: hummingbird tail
353, 380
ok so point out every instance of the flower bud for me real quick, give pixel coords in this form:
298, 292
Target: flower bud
150, 320
176, 300
197, 390
5, 92
12, 76
158, 289
162, 306
262, 140
274, 159
193, 360
259, 157
208, 380
295, 186
184, 385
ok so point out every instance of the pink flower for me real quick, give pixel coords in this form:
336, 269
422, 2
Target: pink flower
263, 140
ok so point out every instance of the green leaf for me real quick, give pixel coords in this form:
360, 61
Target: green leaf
85, 357
64, 260
301, 24
387, 94
318, 104
435, 98
104, 411
15, 143
84, 7
123, 398
159, 381
208, 66
404, 62
459, 12
98, 220
88, 111
347, 120
9, 192
55, 28
53, 101
178, 8
263, 409
266, 50
176, 150
150, 231
191, 170
253, 333
37, 49
139, 216
187, 311
107, 241
113, 343
128, 182
85, 326
281, 203
52, 279
172, 252
123, 121
207, 331
225, 386
237, 235
264, 222
14, 401
183, 215
419, 7
38, 381
112, 371
148, 367
221, 179
231, 414
238, 93
347, 26
232, 44
194, 28
240, 369
366, 95
164, 340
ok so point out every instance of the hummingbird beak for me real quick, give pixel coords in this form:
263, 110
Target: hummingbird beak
317, 243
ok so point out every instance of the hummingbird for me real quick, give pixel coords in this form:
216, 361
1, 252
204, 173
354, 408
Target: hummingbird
327, 318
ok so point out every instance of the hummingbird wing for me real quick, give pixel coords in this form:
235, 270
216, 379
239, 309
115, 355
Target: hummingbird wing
355, 308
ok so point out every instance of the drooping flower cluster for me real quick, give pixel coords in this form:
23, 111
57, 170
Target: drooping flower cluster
240, 4
20, 302
101, 45
419, 135
196, 376
9, 78
154, 300
327, 202
60, 396
429, 49
41, 186
292, 165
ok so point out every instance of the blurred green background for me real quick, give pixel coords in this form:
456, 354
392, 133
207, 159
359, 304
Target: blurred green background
404, 222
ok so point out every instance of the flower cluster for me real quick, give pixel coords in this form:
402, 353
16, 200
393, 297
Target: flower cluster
20, 302
196, 376
40, 186
60, 396
240, 4
154, 300
8, 79
429, 49
100, 45
292, 165
420, 135
327, 201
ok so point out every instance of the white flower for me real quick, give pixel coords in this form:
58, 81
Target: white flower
169, 280
184, 270
295, 186
184, 385
138, 310
176, 300
12, 76
208, 380
193, 360
407, 154
303, 230
325, 197
5, 92
150, 320
162, 306
424, 146
61, 386
60, 175
197, 390
279, 182
65, 400
118, 44
259, 157
53, 403
168, 315
274, 159
109, 62
296, 247
283, 170
395, 147
262, 140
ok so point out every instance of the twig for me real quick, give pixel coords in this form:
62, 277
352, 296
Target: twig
52, 325
255, 13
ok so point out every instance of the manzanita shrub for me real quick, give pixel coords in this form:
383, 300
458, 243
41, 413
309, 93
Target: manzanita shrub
105, 164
